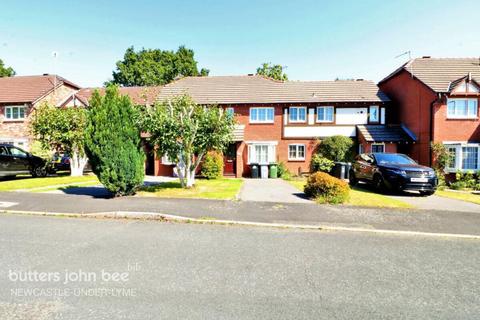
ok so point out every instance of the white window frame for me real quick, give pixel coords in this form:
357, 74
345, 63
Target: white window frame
324, 120
468, 115
370, 120
271, 148
297, 120
266, 113
377, 144
459, 155
297, 158
11, 113
21, 143
360, 148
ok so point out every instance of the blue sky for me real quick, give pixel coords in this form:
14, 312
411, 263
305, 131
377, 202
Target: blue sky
316, 40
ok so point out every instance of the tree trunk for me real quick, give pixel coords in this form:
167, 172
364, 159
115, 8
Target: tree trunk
77, 164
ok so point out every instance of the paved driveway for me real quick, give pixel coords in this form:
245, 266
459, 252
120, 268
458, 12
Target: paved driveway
271, 190
437, 203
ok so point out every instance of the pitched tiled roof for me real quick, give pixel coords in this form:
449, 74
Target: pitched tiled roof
28, 89
139, 95
438, 73
385, 133
257, 89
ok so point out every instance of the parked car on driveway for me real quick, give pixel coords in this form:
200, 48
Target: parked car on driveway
61, 162
14, 161
393, 171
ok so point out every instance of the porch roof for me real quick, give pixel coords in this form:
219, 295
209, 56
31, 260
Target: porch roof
386, 133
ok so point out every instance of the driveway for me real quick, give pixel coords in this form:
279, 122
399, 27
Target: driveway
271, 190
437, 203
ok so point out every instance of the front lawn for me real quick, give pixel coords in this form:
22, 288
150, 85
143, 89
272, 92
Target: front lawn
362, 197
208, 189
35, 184
464, 196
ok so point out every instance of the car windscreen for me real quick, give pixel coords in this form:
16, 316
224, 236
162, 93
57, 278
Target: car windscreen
390, 158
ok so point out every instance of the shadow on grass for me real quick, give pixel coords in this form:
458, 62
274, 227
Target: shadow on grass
27, 176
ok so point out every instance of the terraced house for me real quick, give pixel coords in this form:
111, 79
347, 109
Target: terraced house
438, 100
20, 95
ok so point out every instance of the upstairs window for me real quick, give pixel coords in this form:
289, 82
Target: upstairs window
261, 115
462, 108
230, 111
324, 114
374, 114
15, 113
297, 114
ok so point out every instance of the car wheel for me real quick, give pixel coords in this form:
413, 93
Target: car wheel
352, 179
378, 183
39, 172
427, 193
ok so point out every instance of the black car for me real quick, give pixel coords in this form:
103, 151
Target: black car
14, 161
393, 171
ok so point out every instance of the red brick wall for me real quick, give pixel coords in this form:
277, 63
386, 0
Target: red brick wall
412, 106
454, 129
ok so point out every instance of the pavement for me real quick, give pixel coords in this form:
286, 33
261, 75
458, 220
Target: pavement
189, 271
271, 190
412, 220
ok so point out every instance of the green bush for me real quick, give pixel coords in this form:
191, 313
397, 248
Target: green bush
212, 166
326, 189
465, 180
113, 142
283, 172
336, 148
320, 163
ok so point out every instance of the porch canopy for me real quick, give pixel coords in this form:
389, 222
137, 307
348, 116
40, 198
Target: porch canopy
386, 133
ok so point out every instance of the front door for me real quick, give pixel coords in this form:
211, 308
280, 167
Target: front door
230, 160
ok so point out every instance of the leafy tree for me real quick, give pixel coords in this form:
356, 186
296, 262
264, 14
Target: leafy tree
272, 71
113, 142
149, 67
336, 148
441, 156
6, 71
62, 128
186, 131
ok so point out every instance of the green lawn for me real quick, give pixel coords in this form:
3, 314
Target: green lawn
208, 189
469, 197
27, 182
363, 197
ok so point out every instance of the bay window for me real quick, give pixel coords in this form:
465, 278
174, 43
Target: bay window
297, 114
296, 152
462, 108
261, 115
463, 157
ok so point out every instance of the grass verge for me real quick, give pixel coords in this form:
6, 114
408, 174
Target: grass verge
362, 197
464, 196
27, 182
225, 189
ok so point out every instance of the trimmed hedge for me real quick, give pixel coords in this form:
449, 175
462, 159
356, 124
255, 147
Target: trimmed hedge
326, 189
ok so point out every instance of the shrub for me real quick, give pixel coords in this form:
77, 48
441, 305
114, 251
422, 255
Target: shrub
326, 189
212, 166
320, 163
113, 142
336, 148
283, 171
466, 180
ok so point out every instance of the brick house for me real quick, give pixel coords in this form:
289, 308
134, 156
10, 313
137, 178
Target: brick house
20, 95
438, 100
283, 121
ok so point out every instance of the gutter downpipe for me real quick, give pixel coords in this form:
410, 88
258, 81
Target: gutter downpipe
439, 98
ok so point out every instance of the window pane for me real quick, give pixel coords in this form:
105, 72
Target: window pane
452, 151
461, 107
377, 148
15, 113
469, 158
451, 108
8, 114
253, 114
321, 114
292, 152
261, 115
374, 114
301, 151
21, 112
270, 114
302, 114
293, 114
472, 108
329, 114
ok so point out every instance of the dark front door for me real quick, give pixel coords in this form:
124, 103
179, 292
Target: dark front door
230, 159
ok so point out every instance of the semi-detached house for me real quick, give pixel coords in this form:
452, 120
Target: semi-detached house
438, 99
